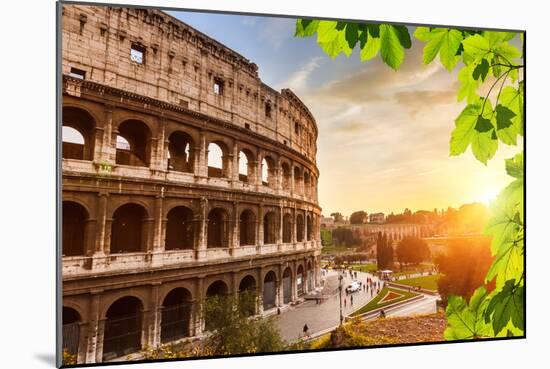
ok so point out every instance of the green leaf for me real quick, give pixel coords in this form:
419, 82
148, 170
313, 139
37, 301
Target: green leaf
332, 40
506, 305
391, 49
444, 41
473, 128
481, 70
467, 321
371, 48
514, 166
352, 34
507, 131
476, 47
468, 85
404, 36
306, 27
513, 99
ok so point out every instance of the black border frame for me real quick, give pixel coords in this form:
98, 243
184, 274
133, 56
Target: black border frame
58, 165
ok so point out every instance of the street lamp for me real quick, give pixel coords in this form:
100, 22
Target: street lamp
340, 277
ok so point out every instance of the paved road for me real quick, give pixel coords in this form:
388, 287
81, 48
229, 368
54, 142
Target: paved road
324, 316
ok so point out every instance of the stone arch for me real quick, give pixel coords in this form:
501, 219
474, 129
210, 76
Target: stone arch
71, 320
133, 145
247, 228
181, 152
217, 228
78, 133
246, 165
74, 230
287, 228
129, 231
268, 171
176, 315
180, 232
217, 159
247, 295
123, 327
270, 290
271, 228
309, 227
287, 285
287, 175
300, 280
307, 182
298, 178
299, 227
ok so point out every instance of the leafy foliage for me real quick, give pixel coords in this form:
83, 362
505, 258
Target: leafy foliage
489, 62
412, 250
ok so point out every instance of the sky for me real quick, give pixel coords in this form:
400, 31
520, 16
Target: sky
383, 140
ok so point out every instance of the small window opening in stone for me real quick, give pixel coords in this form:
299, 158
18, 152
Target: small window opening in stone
218, 87
137, 54
247, 125
268, 110
77, 73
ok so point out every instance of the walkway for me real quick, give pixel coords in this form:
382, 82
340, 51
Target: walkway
322, 316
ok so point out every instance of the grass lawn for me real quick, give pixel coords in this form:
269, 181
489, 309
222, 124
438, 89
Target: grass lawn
375, 302
333, 249
368, 268
428, 282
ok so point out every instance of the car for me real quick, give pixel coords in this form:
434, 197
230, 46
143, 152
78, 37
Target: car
353, 287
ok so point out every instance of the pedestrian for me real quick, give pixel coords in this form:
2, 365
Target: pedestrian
345, 302
382, 314
306, 330
351, 300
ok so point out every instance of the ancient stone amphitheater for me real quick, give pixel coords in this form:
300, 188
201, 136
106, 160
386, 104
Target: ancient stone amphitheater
183, 176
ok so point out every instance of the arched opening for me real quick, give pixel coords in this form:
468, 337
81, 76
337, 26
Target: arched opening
179, 229
132, 143
287, 286
246, 166
309, 228
307, 183
270, 228
176, 315
287, 228
300, 280
286, 176
268, 171
297, 180
216, 290
180, 152
74, 229
217, 160
309, 274
247, 296
129, 233
270, 290
122, 328
70, 330
217, 228
247, 228
300, 228
77, 134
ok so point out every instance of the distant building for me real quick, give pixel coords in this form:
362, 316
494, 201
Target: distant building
327, 221
376, 218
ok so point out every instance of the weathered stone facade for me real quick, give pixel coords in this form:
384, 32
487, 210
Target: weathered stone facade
151, 226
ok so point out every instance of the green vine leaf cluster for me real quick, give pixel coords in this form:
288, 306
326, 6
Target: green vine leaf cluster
488, 62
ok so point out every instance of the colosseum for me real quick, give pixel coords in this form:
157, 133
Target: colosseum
183, 176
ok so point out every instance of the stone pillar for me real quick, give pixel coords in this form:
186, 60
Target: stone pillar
198, 315
235, 228
155, 317
103, 145
260, 236
148, 230
93, 334
235, 164
294, 226
90, 235
280, 233
260, 292
159, 223
293, 285
202, 221
101, 231
292, 179
201, 165
279, 299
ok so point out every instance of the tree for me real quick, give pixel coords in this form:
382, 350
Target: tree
338, 217
490, 64
384, 252
233, 332
412, 250
463, 266
358, 217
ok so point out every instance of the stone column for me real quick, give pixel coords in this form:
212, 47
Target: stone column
198, 315
202, 221
279, 299
159, 223
103, 145
155, 317
292, 179
201, 165
293, 285
235, 175
294, 226
260, 237
260, 292
94, 339
101, 231
235, 229
280, 233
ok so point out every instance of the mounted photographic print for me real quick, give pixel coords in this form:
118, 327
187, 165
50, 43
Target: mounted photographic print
239, 184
